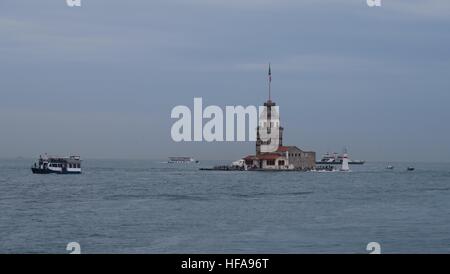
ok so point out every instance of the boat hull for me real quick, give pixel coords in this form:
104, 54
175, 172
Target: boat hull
48, 171
339, 163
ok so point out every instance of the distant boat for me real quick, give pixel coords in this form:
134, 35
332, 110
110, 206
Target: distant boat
240, 164
336, 159
58, 165
181, 160
390, 167
410, 169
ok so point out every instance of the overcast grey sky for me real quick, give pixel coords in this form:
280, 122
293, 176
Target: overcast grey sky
101, 80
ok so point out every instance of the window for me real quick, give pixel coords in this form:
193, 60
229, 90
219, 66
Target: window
281, 162
270, 162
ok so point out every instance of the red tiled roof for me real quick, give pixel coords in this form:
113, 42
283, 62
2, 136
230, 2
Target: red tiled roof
269, 156
264, 156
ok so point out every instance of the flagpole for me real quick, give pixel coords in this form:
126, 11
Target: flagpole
270, 82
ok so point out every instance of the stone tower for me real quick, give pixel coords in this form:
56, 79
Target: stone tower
269, 125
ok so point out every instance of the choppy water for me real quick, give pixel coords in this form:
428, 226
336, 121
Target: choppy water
151, 207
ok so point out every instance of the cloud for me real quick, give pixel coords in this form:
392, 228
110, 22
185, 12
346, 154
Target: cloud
315, 63
272, 4
428, 8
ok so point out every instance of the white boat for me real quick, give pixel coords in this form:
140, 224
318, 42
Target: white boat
181, 160
58, 165
336, 159
240, 164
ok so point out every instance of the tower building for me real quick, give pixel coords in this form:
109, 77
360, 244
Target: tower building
270, 152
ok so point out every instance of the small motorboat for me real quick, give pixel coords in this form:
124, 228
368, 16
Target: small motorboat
390, 167
410, 169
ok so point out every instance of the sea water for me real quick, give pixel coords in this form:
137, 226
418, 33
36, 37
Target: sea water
148, 206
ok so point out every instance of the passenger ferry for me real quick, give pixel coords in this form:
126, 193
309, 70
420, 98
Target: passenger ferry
58, 165
181, 160
336, 159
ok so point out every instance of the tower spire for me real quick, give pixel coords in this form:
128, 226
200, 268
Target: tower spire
270, 82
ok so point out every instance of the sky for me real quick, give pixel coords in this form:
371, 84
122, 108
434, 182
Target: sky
101, 80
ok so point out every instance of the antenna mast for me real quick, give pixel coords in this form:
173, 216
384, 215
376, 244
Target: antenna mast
270, 82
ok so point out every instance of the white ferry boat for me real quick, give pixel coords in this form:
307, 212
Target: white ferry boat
58, 165
336, 159
181, 160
